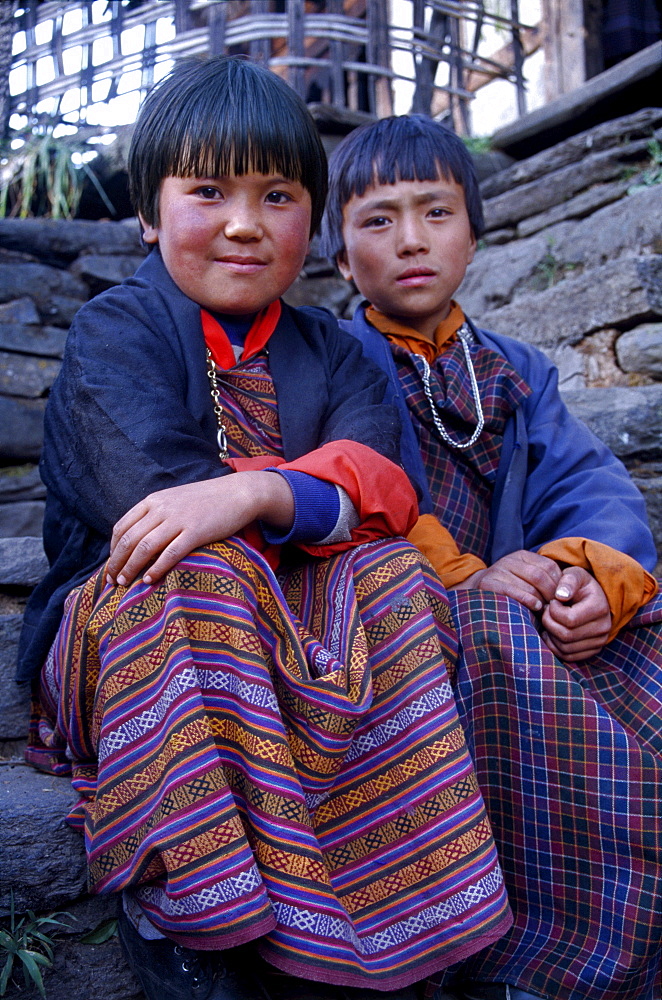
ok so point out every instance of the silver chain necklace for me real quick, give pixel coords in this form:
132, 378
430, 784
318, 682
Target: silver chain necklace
466, 337
221, 437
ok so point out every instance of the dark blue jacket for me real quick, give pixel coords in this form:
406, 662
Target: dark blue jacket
131, 413
555, 479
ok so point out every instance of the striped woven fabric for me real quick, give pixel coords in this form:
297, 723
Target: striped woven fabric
461, 481
280, 759
250, 413
569, 759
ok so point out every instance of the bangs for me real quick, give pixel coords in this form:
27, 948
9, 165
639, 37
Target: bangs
240, 140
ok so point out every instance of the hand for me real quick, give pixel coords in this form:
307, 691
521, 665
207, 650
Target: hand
166, 526
525, 576
577, 620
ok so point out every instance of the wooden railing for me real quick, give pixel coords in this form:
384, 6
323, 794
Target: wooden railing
337, 52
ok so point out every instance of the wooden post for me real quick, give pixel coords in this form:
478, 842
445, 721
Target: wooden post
295, 18
217, 22
565, 60
518, 58
378, 53
260, 49
337, 74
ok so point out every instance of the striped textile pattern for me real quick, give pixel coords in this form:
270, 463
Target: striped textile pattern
569, 760
250, 414
461, 481
279, 760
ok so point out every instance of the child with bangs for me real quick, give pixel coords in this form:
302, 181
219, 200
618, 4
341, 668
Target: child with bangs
543, 543
242, 666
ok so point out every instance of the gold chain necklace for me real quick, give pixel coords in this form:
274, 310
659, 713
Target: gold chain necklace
221, 437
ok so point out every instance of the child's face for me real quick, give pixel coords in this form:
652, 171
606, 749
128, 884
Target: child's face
233, 244
407, 247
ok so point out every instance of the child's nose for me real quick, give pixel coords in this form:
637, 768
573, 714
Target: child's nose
412, 237
242, 224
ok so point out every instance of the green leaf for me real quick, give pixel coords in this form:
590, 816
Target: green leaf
5, 974
7, 941
102, 932
31, 969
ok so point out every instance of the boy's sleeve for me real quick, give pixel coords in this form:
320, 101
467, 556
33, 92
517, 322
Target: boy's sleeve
439, 547
575, 486
626, 584
379, 490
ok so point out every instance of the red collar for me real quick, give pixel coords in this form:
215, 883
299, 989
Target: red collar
219, 344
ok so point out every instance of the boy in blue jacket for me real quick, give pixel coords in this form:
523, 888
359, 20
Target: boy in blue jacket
537, 529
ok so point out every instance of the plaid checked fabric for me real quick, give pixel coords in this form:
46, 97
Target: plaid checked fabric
569, 759
461, 481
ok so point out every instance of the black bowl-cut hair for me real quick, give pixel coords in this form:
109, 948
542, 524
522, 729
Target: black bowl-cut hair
399, 148
222, 116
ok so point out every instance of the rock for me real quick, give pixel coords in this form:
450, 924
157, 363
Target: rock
61, 241
521, 202
102, 271
610, 133
26, 375
498, 236
500, 273
47, 341
21, 429
21, 482
578, 207
619, 292
19, 310
631, 225
21, 519
497, 273
640, 350
48, 866
570, 365
14, 698
332, 293
628, 420
23, 561
600, 368
63, 308
52, 290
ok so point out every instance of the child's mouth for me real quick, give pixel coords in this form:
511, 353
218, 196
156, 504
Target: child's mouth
414, 277
242, 265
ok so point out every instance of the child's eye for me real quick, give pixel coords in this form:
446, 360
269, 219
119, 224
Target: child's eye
278, 198
438, 213
208, 192
376, 221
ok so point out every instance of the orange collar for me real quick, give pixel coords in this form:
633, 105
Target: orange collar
414, 342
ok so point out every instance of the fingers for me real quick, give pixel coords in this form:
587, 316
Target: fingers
138, 546
573, 652
525, 576
571, 582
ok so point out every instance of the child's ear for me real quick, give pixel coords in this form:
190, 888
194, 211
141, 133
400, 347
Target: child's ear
471, 249
150, 233
343, 265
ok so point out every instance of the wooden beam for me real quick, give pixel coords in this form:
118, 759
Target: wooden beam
564, 42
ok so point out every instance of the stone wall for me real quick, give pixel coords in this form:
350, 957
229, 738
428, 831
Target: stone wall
571, 261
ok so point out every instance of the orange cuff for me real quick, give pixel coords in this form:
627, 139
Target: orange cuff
627, 585
438, 545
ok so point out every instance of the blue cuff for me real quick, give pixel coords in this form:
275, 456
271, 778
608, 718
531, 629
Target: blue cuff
316, 509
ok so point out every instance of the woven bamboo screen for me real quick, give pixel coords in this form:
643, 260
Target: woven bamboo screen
80, 63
